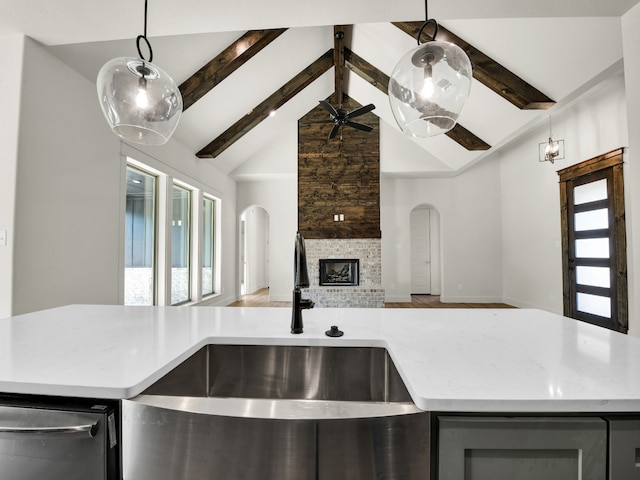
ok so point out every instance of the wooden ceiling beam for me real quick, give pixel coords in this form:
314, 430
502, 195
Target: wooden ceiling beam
489, 72
380, 80
262, 111
338, 61
224, 64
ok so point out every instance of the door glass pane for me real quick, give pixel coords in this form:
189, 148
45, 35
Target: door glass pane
594, 304
180, 246
590, 192
207, 245
592, 248
593, 276
591, 220
139, 242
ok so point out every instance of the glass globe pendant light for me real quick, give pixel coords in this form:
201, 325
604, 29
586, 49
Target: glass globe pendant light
140, 101
429, 86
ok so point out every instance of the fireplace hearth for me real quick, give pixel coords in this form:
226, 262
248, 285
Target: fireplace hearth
339, 272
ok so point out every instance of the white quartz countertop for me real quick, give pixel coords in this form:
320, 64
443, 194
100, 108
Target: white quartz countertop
462, 360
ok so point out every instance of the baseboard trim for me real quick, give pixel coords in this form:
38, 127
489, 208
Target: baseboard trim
398, 298
444, 299
521, 304
281, 298
217, 301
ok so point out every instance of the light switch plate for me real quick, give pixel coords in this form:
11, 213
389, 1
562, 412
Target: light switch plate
3, 238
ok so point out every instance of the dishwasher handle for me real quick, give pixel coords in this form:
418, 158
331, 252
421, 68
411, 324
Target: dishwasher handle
89, 429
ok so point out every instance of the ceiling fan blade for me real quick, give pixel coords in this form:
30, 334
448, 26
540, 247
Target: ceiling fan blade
360, 111
334, 131
329, 108
360, 126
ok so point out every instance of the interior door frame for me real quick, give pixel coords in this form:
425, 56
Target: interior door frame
610, 166
427, 247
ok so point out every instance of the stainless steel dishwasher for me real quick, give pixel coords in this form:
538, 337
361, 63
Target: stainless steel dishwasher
58, 439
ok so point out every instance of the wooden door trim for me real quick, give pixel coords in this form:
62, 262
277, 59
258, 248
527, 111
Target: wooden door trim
594, 164
578, 174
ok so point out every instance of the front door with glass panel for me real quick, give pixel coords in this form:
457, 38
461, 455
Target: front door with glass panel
594, 241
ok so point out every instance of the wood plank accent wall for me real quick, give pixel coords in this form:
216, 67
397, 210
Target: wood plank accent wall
339, 176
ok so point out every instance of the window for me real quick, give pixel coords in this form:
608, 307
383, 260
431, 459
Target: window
594, 241
208, 245
181, 246
171, 243
140, 233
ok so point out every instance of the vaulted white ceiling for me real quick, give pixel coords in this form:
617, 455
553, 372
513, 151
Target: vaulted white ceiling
563, 48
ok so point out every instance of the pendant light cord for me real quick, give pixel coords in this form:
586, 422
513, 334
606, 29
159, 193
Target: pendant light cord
144, 37
427, 22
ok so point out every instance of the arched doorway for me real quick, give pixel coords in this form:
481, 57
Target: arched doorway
254, 250
425, 268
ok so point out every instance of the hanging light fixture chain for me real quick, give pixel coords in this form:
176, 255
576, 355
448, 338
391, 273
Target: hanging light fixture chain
144, 37
145, 18
140, 101
427, 22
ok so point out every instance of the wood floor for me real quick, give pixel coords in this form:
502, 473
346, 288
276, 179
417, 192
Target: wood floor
261, 299
258, 299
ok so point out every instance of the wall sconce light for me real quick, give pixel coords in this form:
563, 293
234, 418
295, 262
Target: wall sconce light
551, 150
429, 86
140, 101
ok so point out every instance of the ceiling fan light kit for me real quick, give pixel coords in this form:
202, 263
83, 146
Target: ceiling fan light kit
140, 101
429, 86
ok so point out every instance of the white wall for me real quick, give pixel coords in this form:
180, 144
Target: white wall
11, 52
532, 256
66, 243
469, 207
631, 41
279, 197
70, 185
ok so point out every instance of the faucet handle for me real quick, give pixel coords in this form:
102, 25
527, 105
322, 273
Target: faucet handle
306, 303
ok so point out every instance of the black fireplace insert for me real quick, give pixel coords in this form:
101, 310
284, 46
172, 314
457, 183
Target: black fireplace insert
340, 271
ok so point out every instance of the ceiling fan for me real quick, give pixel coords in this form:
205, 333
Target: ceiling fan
343, 117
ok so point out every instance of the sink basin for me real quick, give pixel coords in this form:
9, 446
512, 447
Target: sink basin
362, 374
277, 412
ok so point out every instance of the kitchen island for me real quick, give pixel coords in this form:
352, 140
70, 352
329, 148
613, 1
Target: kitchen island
503, 360
459, 364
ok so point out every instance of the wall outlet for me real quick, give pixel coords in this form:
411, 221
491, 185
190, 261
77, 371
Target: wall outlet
3, 238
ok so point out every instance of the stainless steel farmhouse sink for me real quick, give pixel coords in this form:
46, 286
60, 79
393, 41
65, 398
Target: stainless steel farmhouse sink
285, 412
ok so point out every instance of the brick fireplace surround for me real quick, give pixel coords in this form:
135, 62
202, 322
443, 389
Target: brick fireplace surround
369, 294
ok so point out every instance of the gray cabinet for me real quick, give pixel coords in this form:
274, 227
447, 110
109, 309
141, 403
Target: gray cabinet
624, 448
523, 448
